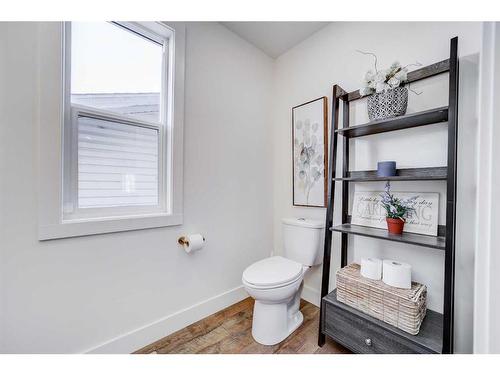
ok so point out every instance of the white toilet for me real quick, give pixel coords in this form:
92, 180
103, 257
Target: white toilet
276, 282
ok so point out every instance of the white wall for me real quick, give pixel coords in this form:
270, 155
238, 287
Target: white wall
487, 281
310, 69
75, 294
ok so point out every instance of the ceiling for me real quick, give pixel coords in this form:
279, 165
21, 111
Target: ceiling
274, 38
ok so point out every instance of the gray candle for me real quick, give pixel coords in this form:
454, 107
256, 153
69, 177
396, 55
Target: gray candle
386, 168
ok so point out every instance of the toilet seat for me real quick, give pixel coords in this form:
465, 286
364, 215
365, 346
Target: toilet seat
272, 272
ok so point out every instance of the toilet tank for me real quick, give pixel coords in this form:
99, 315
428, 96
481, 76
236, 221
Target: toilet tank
303, 239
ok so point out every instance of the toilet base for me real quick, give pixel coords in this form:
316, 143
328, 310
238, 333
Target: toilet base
274, 322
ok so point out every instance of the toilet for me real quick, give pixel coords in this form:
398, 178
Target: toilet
276, 282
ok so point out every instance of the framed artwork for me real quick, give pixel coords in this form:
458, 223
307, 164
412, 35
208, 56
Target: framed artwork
310, 153
368, 211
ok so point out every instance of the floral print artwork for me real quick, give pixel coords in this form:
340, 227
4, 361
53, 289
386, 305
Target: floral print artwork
309, 154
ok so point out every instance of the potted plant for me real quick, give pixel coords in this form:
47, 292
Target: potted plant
386, 87
397, 210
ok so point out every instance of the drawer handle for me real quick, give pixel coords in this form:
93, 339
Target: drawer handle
368, 342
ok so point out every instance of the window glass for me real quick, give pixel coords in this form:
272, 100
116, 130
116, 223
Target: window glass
116, 70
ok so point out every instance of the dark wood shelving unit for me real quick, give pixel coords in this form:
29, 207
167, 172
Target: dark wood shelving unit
413, 120
436, 335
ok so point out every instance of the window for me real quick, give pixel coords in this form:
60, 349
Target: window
111, 133
116, 121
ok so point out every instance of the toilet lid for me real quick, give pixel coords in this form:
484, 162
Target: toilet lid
272, 271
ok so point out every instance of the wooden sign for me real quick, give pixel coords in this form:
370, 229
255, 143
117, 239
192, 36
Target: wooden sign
368, 211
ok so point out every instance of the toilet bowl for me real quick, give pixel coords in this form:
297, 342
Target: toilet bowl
276, 282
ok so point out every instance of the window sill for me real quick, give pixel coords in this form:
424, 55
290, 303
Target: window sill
79, 228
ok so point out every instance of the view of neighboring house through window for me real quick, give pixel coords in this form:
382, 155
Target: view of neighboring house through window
116, 124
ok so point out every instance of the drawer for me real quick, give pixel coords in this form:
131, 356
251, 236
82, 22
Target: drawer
362, 336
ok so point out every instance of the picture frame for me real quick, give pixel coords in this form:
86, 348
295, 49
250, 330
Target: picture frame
310, 153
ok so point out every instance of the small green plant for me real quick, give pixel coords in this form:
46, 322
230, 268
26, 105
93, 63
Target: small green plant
397, 208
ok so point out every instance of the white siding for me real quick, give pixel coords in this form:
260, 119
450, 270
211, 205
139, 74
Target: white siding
117, 164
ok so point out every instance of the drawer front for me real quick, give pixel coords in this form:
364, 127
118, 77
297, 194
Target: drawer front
361, 336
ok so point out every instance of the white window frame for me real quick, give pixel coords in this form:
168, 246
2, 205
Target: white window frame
59, 215
71, 211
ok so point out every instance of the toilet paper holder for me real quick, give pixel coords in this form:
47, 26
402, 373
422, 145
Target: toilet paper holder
183, 240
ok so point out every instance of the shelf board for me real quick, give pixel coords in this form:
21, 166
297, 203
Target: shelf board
435, 242
408, 174
412, 120
431, 330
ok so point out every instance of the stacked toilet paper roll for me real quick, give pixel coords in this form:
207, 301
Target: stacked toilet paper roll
371, 268
397, 274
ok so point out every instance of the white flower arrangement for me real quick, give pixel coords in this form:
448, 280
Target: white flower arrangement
385, 79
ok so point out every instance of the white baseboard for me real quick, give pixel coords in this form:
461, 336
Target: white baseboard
311, 295
140, 337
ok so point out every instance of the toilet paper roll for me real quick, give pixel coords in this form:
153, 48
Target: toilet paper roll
194, 242
371, 268
396, 274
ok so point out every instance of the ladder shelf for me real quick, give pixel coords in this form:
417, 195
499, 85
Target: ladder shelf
445, 241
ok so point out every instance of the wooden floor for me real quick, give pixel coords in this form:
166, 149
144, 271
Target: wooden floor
229, 332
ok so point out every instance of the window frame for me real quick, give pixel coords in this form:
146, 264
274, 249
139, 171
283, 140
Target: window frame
59, 222
71, 209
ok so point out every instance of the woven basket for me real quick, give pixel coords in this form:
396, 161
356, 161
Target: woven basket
402, 308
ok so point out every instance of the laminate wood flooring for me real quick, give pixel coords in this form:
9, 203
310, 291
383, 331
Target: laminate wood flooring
229, 331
